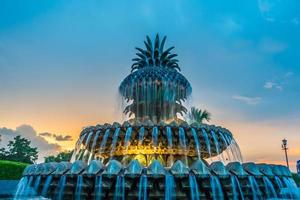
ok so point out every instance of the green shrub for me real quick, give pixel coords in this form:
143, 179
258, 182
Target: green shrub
10, 170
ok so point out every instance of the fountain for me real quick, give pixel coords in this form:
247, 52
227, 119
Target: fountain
155, 154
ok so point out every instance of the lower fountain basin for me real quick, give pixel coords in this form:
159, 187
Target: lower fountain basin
117, 181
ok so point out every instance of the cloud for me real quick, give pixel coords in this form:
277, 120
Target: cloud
281, 81
273, 85
57, 137
288, 74
44, 147
247, 100
272, 46
62, 138
46, 134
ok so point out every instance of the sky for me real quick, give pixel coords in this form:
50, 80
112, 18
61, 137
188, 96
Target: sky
61, 63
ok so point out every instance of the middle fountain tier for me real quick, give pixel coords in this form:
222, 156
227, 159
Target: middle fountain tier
147, 142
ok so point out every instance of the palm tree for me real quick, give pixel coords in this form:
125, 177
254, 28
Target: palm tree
197, 115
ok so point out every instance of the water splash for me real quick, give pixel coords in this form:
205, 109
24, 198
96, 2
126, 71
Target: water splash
193, 187
236, 188
143, 187
98, 188
61, 187
216, 187
255, 189
269, 188
46, 186
120, 189
78, 187
197, 143
169, 187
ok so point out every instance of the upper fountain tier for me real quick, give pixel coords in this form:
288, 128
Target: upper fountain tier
155, 89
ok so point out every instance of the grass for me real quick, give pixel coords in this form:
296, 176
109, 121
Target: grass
297, 179
10, 170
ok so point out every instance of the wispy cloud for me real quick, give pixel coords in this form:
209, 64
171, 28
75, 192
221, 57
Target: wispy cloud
63, 138
247, 100
57, 137
278, 83
271, 46
271, 85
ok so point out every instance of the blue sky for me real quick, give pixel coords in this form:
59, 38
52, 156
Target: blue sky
62, 61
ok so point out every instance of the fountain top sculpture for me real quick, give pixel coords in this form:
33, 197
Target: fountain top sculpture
155, 89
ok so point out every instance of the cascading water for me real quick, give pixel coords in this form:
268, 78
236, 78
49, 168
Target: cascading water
236, 188
197, 143
269, 188
193, 187
28, 189
78, 187
21, 187
182, 143
120, 188
143, 184
84, 154
170, 143
127, 137
254, 187
77, 148
155, 137
92, 154
205, 136
216, 187
36, 184
46, 186
280, 186
141, 135
114, 142
169, 187
227, 144
103, 142
98, 188
61, 187
217, 145
291, 188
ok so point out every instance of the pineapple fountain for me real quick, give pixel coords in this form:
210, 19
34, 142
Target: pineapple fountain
156, 154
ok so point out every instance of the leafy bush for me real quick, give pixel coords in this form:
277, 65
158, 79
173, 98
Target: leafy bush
10, 170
